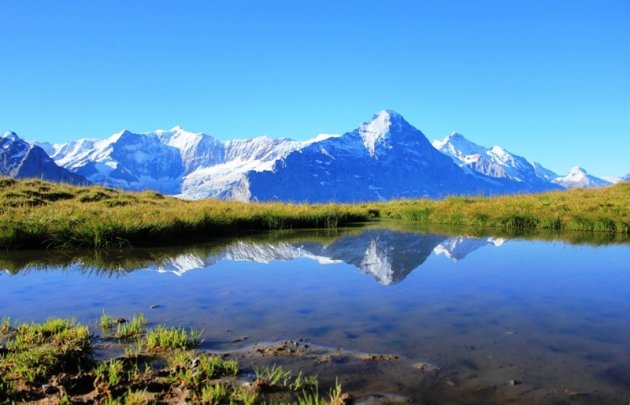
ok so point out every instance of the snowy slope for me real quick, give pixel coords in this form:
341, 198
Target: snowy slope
459, 247
383, 158
228, 179
544, 173
196, 150
579, 178
175, 161
496, 162
387, 256
20, 159
125, 160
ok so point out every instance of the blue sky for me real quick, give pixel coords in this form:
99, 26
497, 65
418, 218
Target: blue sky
549, 80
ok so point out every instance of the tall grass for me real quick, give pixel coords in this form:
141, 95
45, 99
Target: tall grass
37, 214
595, 210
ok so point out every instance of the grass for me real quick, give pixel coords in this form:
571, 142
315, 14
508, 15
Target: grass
38, 214
163, 338
34, 352
272, 377
596, 210
5, 325
132, 329
58, 354
109, 373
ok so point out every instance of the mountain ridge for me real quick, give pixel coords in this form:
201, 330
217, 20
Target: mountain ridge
383, 158
20, 159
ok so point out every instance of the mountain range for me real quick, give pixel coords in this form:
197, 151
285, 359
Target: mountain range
20, 159
387, 256
381, 159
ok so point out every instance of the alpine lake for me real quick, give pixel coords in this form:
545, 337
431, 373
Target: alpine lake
396, 313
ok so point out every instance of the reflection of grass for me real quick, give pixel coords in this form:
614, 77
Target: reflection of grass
117, 261
120, 261
571, 237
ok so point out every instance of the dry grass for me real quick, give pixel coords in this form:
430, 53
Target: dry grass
37, 214
596, 210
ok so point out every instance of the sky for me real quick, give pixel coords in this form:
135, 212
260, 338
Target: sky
548, 80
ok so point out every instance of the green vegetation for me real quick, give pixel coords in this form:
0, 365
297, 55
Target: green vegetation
163, 338
132, 329
58, 355
595, 210
34, 352
37, 214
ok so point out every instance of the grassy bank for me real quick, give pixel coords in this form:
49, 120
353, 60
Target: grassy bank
595, 210
36, 214
54, 362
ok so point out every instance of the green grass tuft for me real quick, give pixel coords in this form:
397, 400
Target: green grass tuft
163, 338
132, 329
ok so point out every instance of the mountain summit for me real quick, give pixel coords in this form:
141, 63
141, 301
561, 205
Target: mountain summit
378, 132
580, 178
381, 159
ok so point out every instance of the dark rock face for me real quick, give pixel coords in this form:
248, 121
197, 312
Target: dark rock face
20, 160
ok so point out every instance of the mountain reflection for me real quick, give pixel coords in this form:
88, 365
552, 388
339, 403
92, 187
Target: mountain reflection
386, 255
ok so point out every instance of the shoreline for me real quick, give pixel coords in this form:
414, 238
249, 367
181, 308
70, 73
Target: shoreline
111, 369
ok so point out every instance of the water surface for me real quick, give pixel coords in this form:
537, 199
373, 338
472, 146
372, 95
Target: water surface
486, 311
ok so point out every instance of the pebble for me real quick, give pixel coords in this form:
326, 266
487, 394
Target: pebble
424, 366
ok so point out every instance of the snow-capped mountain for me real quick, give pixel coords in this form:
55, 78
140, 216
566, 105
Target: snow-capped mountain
614, 179
459, 247
579, 178
196, 150
497, 163
387, 256
229, 178
382, 159
543, 172
20, 159
125, 160
175, 161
